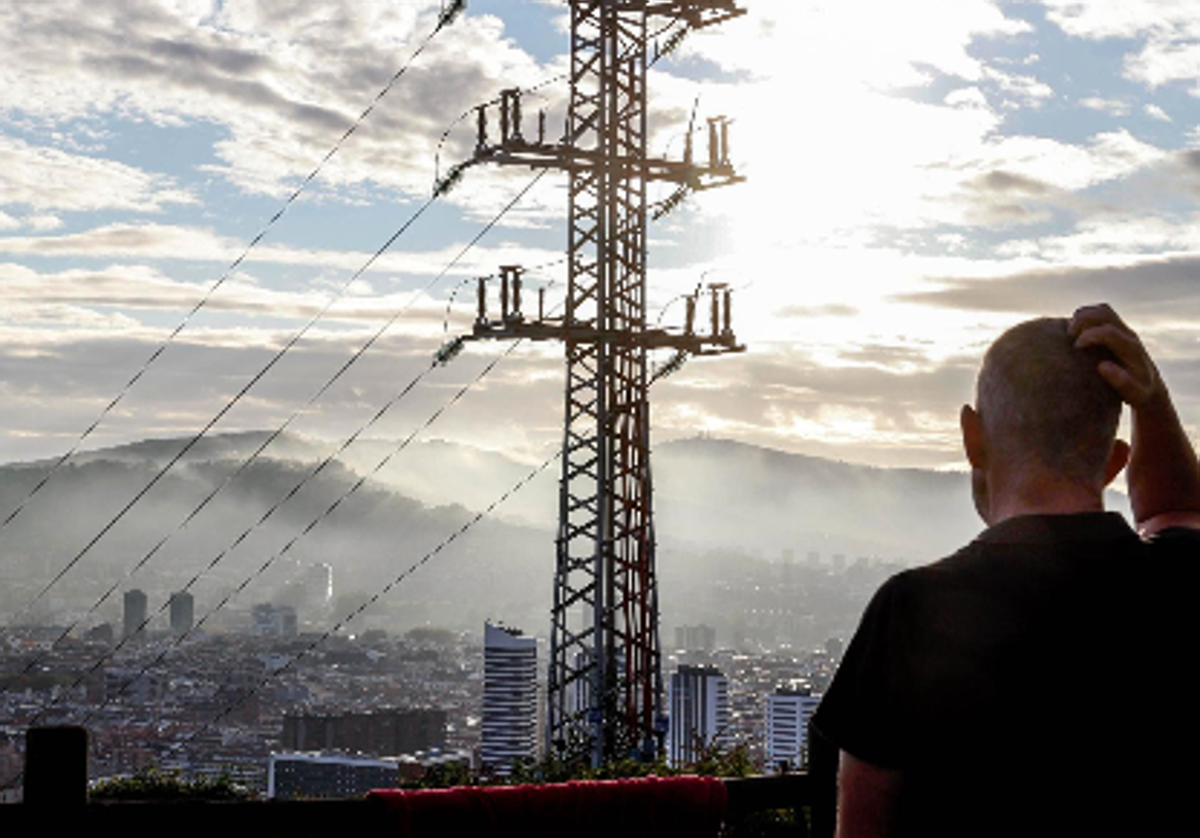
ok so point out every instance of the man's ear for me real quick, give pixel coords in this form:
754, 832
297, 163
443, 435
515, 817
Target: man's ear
973, 439
1118, 457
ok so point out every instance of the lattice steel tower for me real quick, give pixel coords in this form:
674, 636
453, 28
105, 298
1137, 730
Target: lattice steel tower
605, 680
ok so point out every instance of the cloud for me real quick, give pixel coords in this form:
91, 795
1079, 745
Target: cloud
882, 44
877, 158
1155, 112
278, 80
802, 312
1190, 159
1019, 90
1100, 19
1003, 198
54, 389
1108, 156
46, 178
1117, 238
1113, 107
882, 142
1156, 289
44, 222
1009, 183
1020, 180
1168, 32
167, 242
882, 403
76, 377
112, 298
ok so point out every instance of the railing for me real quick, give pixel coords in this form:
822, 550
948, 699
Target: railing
56, 794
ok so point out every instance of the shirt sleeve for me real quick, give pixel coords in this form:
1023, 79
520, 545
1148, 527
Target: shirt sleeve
862, 712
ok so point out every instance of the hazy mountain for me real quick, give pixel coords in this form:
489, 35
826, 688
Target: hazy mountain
373, 537
716, 493
711, 497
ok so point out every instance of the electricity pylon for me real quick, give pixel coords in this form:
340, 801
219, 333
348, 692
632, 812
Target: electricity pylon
605, 687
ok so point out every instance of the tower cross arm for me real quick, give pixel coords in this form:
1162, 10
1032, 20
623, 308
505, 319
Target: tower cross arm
568, 158
698, 13
692, 343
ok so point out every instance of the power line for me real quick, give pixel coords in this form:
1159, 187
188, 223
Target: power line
277, 357
425, 559
195, 439
438, 192
450, 539
445, 18
295, 489
429, 556
245, 534
296, 658
312, 525
440, 358
232, 476
462, 530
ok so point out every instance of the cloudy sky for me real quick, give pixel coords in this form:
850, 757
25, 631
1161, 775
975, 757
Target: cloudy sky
919, 175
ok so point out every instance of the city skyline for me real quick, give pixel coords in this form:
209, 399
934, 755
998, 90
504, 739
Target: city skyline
918, 178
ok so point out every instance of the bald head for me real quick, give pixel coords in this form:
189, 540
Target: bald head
1042, 399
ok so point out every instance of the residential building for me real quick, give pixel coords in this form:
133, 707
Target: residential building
788, 712
386, 732
699, 719
509, 725
290, 776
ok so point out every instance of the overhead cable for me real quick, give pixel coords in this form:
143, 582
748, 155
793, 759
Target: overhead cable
445, 18
296, 488
282, 552
296, 658
229, 405
461, 531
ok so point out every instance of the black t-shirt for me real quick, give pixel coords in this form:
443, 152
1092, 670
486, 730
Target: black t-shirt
1035, 681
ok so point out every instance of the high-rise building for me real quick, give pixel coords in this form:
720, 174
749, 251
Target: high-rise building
509, 727
182, 612
788, 712
699, 701
135, 612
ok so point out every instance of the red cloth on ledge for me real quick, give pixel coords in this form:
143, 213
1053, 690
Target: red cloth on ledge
646, 806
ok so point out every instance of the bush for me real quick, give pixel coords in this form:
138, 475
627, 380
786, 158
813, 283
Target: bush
154, 784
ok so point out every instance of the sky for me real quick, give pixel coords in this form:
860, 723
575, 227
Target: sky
919, 176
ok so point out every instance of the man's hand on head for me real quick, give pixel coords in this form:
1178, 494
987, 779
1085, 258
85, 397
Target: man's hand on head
1133, 375
1163, 474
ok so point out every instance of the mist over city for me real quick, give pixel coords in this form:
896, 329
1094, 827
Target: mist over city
725, 510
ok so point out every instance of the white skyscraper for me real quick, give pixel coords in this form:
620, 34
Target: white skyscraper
699, 700
509, 698
788, 712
